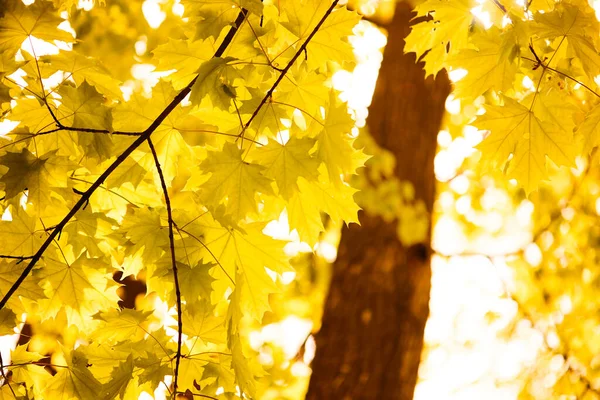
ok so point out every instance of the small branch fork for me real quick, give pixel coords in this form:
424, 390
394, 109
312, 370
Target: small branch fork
537, 63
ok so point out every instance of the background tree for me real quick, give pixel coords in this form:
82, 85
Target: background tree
369, 345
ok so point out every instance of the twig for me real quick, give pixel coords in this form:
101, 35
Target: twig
20, 258
197, 395
539, 62
120, 159
500, 6
163, 184
287, 68
5, 378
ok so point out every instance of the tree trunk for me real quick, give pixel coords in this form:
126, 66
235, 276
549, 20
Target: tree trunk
369, 346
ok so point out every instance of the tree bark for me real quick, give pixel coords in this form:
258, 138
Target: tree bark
369, 346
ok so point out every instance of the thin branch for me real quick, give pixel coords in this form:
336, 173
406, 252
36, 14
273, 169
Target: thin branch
537, 88
213, 132
105, 188
5, 378
120, 159
288, 66
20, 258
500, 6
537, 61
163, 184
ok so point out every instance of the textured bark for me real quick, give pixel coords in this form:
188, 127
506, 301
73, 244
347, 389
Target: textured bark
369, 346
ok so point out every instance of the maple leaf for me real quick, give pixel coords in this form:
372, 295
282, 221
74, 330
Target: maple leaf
83, 107
221, 372
84, 69
233, 182
24, 370
37, 175
82, 287
337, 202
491, 66
130, 171
245, 370
304, 89
514, 129
9, 271
153, 369
8, 321
20, 22
20, 235
286, 163
199, 321
145, 230
75, 382
211, 16
196, 281
216, 79
139, 113
578, 25
121, 325
191, 368
335, 145
268, 120
329, 41
246, 250
184, 58
444, 35
589, 129
32, 114
120, 379
87, 232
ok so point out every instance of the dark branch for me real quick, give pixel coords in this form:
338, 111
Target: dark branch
163, 184
20, 258
5, 378
287, 67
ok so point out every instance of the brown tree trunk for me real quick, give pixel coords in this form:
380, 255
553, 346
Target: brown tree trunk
369, 346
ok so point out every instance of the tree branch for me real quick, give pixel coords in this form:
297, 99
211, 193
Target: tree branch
163, 184
287, 67
120, 159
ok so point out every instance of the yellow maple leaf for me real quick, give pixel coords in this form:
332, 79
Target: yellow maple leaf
20, 22
515, 130
233, 182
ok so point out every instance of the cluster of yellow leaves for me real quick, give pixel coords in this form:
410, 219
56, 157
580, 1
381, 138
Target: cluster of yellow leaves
535, 64
233, 159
